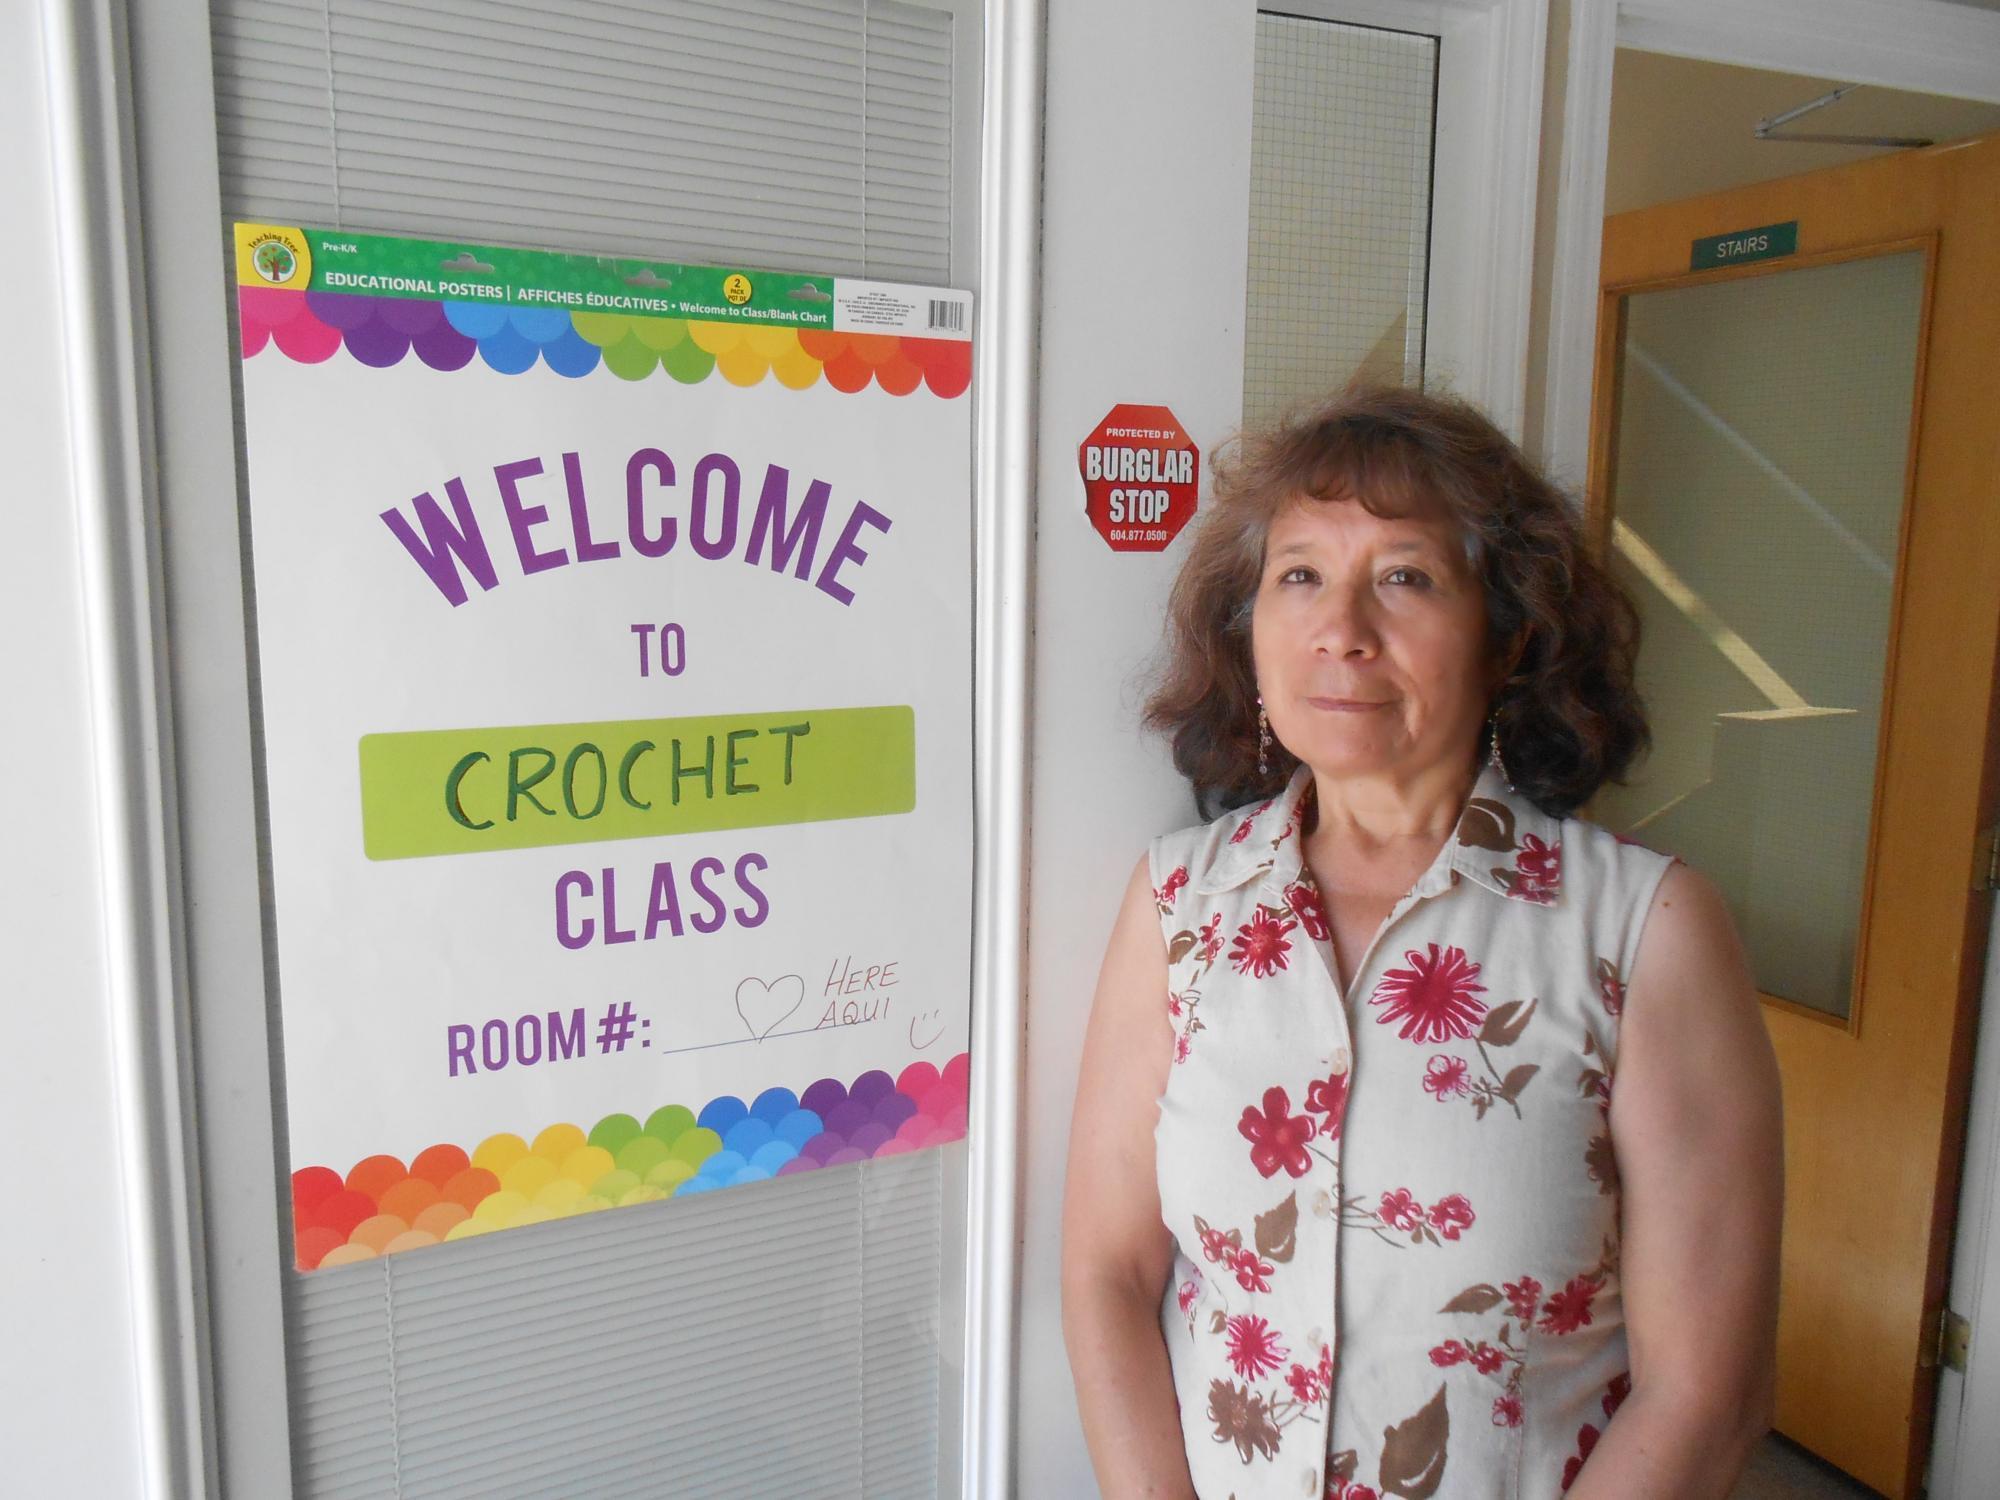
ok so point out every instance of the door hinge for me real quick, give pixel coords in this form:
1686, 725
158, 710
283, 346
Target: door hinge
1986, 859
1953, 1340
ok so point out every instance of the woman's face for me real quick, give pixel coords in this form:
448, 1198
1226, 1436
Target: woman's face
1369, 640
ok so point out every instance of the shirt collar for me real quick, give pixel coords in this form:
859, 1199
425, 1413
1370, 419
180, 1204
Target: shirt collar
1502, 841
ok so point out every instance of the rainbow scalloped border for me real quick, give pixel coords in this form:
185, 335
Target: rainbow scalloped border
311, 327
383, 1207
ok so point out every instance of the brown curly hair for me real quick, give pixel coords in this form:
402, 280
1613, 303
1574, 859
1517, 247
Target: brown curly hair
1569, 715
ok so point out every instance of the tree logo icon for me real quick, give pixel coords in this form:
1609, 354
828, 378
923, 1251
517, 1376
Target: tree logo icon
274, 261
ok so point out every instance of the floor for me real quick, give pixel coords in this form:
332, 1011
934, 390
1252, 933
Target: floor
1781, 1470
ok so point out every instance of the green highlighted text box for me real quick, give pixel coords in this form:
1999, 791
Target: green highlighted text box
381, 265
461, 791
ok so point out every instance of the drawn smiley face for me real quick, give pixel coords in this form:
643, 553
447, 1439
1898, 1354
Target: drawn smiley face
931, 1021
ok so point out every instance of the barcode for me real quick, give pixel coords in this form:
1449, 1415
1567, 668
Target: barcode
949, 315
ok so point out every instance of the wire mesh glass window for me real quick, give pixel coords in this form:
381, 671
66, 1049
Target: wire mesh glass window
1340, 209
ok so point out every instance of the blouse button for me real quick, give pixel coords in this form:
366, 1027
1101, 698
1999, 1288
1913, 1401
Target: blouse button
1315, 1339
1322, 1203
1311, 1481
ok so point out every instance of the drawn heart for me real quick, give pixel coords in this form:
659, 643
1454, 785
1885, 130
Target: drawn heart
763, 1006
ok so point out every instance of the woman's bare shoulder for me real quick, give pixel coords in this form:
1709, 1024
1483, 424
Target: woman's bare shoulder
1689, 913
1691, 959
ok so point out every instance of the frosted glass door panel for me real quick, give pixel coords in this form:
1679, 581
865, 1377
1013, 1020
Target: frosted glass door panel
1340, 210
1757, 497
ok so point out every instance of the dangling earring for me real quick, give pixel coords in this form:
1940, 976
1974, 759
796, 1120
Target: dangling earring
1493, 750
1263, 740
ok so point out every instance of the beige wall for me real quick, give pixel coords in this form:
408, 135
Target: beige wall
1681, 127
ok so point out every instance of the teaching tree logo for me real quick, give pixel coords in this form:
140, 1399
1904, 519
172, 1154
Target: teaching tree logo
274, 262
275, 257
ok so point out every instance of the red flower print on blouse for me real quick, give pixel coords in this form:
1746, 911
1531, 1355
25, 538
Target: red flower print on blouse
1569, 1309
1311, 1385
1251, 1270
1537, 869
1253, 1346
1305, 1384
1616, 1392
1309, 909
1328, 1096
1482, 1356
1444, 1076
1189, 1291
1296, 818
1523, 1297
1339, 1489
1587, 1435
1242, 830
1451, 1215
1434, 997
1169, 888
1180, 1049
1399, 1210
1610, 988
1260, 946
1218, 1244
1211, 938
1586, 1439
1507, 1410
1277, 1137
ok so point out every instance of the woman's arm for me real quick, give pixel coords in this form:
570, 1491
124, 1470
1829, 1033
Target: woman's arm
1116, 1253
1697, 1131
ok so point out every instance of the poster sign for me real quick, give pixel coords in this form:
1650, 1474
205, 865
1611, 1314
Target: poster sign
1140, 473
620, 841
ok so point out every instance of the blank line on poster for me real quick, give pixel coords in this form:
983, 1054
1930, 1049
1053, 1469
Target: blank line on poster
771, 1036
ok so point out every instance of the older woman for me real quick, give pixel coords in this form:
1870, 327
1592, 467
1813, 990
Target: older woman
1427, 1140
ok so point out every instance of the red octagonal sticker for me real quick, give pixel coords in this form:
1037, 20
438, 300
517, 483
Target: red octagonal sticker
1139, 477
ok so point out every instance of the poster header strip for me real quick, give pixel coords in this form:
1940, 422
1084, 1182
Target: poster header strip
467, 791
294, 258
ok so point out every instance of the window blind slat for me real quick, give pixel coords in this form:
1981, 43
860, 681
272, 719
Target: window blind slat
777, 133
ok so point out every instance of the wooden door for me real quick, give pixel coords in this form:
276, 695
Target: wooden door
1795, 467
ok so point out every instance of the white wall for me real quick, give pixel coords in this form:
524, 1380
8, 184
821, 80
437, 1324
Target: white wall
1144, 248
68, 1409
1965, 1443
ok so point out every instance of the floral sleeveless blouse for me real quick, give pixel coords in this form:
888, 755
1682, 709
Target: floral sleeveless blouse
1396, 1212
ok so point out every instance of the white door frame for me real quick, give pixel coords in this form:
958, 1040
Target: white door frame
1486, 156
140, 218
1924, 46
108, 391
1004, 391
